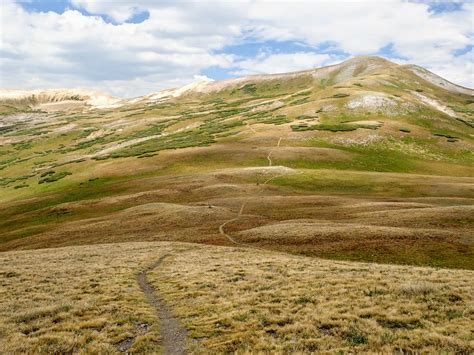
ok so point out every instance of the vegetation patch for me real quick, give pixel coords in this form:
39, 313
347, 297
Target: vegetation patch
335, 127
231, 112
88, 310
54, 177
299, 101
276, 120
8, 180
355, 336
340, 95
173, 141
154, 129
22, 145
461, 109
249, 89
21, 186
449, 137
47, 173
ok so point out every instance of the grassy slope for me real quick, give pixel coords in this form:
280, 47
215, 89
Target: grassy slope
236, 128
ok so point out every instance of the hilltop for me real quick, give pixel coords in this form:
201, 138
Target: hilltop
357, 161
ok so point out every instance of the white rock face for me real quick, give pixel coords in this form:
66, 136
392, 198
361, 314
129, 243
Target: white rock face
434, 103
371, 100
439, 81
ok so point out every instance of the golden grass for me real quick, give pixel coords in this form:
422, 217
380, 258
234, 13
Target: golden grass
78, 299
249, 300
86, 299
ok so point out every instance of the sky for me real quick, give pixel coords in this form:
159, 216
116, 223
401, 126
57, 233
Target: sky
132, 48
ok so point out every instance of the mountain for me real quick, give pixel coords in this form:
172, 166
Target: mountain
277, 213
364, 160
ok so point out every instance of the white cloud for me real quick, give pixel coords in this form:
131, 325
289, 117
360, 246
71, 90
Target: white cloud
119, 11
70, 49
182, 38
267, 63
359, 28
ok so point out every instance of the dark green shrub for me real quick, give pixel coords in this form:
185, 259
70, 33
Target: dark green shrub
355, 336
340, 95
249, 89
55, 177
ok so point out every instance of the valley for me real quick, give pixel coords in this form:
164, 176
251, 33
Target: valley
344, 192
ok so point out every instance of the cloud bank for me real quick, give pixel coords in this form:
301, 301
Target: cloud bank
101, 45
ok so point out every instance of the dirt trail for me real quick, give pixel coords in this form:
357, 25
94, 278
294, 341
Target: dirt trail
241, 210
270, 153
250, 127
173, 336
221, 227
269, 159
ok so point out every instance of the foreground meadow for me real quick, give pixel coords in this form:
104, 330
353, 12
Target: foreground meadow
88, 299
85, 299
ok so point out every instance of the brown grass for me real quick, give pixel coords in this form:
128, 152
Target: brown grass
79, 299
241, 300
375, 222
86, 299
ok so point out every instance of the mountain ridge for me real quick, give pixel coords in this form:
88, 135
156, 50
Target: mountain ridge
101, 100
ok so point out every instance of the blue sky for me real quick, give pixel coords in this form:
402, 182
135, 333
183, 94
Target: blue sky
59, 6
130, 48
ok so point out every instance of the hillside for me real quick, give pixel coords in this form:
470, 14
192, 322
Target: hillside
365, 160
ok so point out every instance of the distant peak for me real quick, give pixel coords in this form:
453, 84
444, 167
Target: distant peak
370, 58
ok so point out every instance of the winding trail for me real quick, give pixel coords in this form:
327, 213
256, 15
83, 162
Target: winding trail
173, 336
270, 153
221, 227
241, 210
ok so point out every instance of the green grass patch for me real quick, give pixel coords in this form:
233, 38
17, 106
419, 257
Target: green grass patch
22, 145
376, 157
355, 336
48, 178
152, 130
173, 141
8, 180
340, 95
276, 120
301, 101
335, 127
249, 89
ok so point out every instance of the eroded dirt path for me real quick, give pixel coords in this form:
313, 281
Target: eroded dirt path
270, 153
172, 334
221, 227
